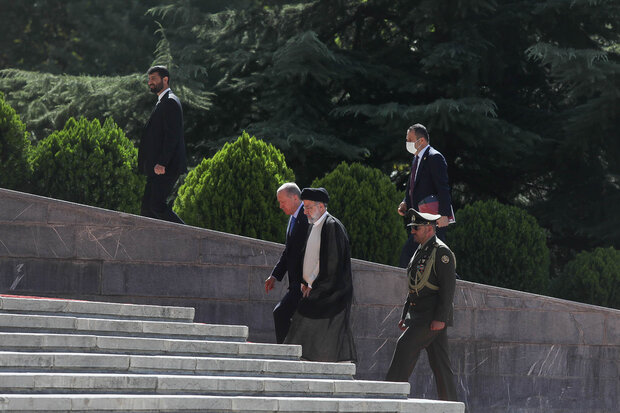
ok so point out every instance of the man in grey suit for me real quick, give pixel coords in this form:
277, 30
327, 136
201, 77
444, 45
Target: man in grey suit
161, 156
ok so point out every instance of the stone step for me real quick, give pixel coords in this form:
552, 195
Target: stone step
221, 404
69, 355
33, 342
177, 365
94, 309
72, 383
52, 323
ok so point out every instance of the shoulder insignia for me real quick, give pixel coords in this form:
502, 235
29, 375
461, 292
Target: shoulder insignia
445, 259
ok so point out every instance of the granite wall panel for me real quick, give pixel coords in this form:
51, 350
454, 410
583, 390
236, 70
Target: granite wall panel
36, 241
17, 209
20, 276
511, 351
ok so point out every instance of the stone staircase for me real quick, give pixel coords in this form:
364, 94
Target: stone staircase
69, 355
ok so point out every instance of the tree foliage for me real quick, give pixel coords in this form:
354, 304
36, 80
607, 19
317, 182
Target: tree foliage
593, 277
235, 190
328, 81
48, 101
341, 80
91, 164
500, 245
15, 168
111, 37
364, 200
520, 97
584, 168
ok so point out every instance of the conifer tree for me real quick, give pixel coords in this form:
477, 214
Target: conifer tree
520, 97
111, 37
580, 47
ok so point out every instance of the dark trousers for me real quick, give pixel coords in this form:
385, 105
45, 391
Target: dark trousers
407, 352
410, 247
283, 312
155, 199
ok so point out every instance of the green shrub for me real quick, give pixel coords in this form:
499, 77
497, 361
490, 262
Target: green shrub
14, 149
89, 164
365, 201
500, 245
593, 278
235, 191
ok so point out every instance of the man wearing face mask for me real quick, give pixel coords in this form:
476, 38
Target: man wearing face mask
427, 188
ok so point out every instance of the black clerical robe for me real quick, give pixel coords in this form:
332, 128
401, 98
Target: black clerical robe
321, 323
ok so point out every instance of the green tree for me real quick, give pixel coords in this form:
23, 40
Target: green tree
46, 101
583, 178
365, 201
235, 190
593, 277
520, 97
500, 245
111, 37
15, 168
89, 164
332, 81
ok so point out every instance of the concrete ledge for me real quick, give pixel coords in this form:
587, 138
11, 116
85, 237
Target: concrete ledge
59, 307
137, 345
73, 383
213, 366
49, 323
169, 404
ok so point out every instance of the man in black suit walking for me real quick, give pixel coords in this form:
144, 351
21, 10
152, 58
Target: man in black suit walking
291, 260
161, 156
428, 182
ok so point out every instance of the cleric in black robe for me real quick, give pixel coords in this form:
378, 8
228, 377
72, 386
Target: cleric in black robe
321, 323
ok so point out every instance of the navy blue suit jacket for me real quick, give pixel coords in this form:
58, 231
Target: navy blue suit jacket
162, 140
292, 258
431, 179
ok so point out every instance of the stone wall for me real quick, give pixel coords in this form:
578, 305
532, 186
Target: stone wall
511, 351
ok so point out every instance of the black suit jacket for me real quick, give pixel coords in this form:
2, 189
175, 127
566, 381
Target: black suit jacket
431, 179
163, 140
292, 258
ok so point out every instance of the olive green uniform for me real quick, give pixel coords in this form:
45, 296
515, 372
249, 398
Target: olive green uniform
432, 280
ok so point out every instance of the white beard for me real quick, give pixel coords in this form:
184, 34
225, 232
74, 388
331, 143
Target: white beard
314, 218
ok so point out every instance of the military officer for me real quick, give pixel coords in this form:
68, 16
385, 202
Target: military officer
428, 310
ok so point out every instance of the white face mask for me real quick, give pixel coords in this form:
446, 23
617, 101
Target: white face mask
411, 148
